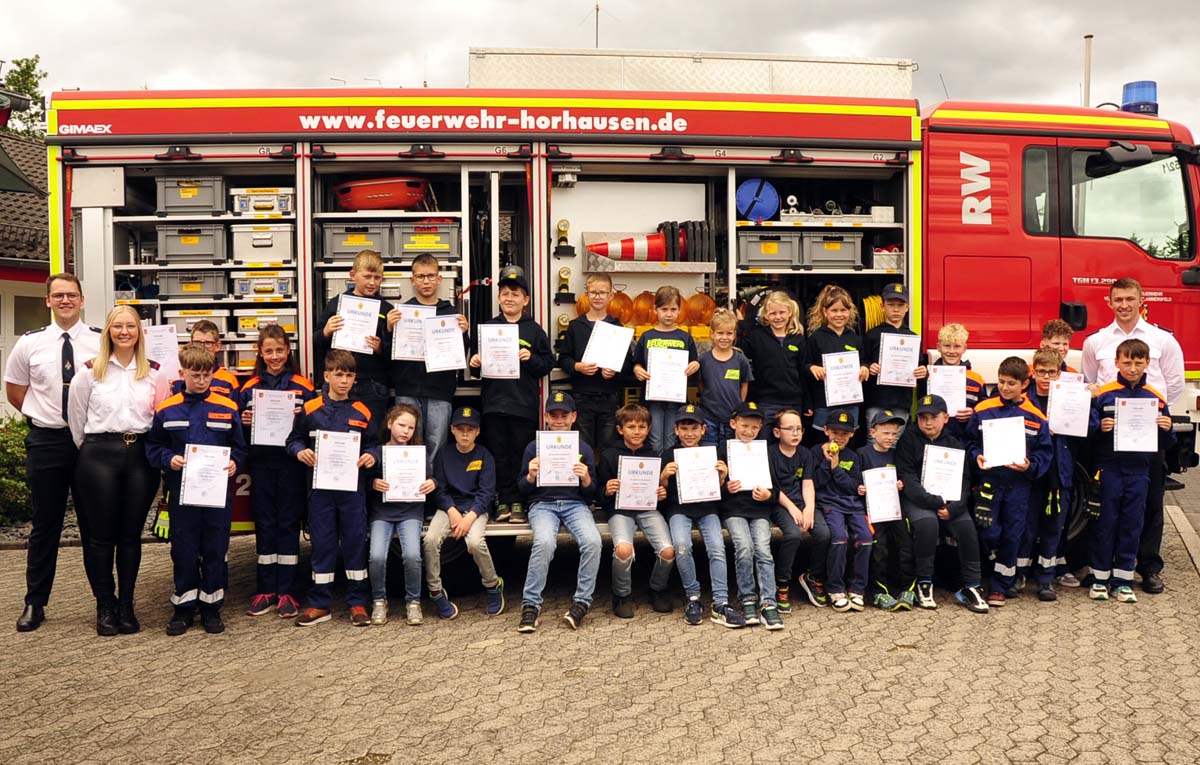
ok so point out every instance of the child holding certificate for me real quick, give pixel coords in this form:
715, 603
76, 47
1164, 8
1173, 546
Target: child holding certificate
466, 490
276, 480
777, 351
1050, 499
596, 391
887, 392
892, 565
199, 533
840, 492
633, 423
663, 335
511, 404
400, 519
746, 510
337, 518
371, 379
935, 498
792, 470
1124, 474
831, 322
1002, 499
558, 504
683, 511
951, 346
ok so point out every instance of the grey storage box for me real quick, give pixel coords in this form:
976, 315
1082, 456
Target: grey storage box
191, 196
263, 201
770, 248
185, 320
192, 284
250, 320
438, 238
191, 244
344, 241
263, 284
829, 249
268, 243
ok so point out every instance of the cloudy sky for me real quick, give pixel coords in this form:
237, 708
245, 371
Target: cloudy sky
1013, 50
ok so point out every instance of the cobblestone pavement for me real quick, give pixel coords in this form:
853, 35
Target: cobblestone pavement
1074, 681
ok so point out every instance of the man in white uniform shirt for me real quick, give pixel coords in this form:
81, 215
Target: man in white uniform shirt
36, 380
1165, 374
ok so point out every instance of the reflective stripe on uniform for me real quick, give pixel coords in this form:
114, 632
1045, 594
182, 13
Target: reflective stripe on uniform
1005, 570
1120, 573
266, 560
175, 424
1021, 562
213, 597
187, 597
287, 560
323, 578
1046, 562
356, 576
1100, 576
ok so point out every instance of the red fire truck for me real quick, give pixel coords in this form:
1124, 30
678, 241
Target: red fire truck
226, 204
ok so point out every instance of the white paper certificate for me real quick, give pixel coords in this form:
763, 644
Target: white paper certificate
499, 351
696, 477
360, 320
951, 384
639, 482
942, 472
557, 453
204, 482
1136, 430
842, 385
668, 381
404, 470
898, 359
1003, 441
162, 345
274, 413
883, 499
748, 464
408, 333
443, 344
1069, 406
608, 347
337, 458
1071, 376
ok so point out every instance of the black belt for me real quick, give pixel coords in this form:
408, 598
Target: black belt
129, 438
63, 429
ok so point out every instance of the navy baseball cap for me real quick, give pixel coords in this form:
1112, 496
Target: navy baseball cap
886, 415
931, 404
689, 413
895, 291
560, 402
513, 275
465, 415
748, 409
842, 419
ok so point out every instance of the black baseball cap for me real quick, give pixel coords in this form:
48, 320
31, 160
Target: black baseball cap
513, 275
886, 415
748, 409
560, 402
689, 413
842, 419
465, 415
931, 404
894, 291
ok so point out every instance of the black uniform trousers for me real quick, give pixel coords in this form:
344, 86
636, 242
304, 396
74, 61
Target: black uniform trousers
506, 436
50, 457
1149, 557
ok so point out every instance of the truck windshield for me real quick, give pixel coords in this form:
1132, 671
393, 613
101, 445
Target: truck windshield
1146, 205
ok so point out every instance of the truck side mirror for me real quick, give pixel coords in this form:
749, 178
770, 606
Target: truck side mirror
1116, 157
1074, 314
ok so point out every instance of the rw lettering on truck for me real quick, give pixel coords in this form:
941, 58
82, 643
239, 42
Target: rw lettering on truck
976, 207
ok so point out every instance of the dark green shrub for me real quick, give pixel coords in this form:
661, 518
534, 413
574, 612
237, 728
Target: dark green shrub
14, 493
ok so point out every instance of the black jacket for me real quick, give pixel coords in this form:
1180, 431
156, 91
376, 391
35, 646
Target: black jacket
579, 331
409, 378
910, 459
823, 341
368, 366
520, 397
779, 368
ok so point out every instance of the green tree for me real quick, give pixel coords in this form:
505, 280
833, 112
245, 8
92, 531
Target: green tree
25, 78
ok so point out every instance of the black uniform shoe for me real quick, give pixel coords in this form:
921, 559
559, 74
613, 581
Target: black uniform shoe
106, 619
180, 621
623, 606
31, 618
1152, 583
127, 621
210, 619
660, 601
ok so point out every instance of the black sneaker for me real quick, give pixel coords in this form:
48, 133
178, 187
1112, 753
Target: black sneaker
574, 615
660, 601
502, 513
517, 513
1152, 584
623, 606
693, 612
771, 618
210, 619
972, 599
529, 619
106, 619
182, 619
1046, 593
727, 616
814, 591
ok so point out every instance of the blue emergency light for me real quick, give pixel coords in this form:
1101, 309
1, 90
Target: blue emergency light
1140, 97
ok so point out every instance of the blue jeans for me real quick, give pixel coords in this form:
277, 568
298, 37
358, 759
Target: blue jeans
714, 545
409, 532
657, 534
716, 433
435, 418
545, 519
662, 424
751, 539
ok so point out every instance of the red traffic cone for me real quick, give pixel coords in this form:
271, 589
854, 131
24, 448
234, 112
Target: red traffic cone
648, 247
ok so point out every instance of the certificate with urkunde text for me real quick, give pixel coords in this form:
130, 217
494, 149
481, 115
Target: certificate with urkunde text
444, 344
499, 351
898, 359
360, 320
408, 333
883, 498
942, 472
668, 378
404, 470
557, 453
639, 483
337, 460
842, 383
696, 477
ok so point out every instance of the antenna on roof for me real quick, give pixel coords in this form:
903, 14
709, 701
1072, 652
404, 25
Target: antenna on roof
944, 88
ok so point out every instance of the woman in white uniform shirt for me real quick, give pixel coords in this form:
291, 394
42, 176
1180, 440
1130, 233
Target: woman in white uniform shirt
111, 406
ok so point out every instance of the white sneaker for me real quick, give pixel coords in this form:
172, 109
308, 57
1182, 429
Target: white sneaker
840, 601
925, 595
379, 612
1098, 592
413, 612
1125, 594
1067, 580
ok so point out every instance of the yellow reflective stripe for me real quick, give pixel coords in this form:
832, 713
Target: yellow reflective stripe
915, 257
476, 101
241, 526
1191, 375
1069, 119
54, 186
